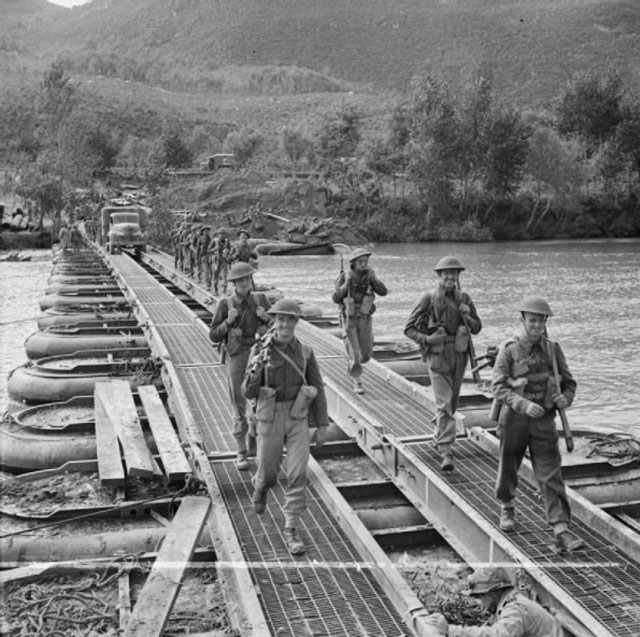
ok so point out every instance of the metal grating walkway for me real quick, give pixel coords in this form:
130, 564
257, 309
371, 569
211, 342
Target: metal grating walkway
330, 590
601, 578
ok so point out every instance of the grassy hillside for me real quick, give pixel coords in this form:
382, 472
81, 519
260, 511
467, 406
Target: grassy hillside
530, 47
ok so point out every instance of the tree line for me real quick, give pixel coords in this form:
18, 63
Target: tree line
447, 165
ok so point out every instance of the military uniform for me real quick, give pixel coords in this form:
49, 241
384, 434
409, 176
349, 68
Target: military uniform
355, 314
203, 257
219, 249
283, 429
516, 616
446, 365
237, 352
522, 358
243, 252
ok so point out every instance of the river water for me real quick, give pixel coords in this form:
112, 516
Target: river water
593, 288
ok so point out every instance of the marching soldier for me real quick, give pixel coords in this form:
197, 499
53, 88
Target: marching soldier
220, 249
355, 293
237, 320
441, 324
242, 251
284, 376
524, 384
204, 257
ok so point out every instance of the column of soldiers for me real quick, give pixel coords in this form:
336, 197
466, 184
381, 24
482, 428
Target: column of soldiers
207, 257
442, 323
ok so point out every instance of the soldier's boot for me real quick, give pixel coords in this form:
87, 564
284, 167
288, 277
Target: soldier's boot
242, 463
294, 543
259, 500
507, 518
566, 542
447, 462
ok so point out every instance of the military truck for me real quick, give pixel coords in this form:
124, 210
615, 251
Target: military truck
219, 160
124, 227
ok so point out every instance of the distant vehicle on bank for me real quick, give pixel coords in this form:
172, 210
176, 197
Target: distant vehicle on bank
124, 227
219, 160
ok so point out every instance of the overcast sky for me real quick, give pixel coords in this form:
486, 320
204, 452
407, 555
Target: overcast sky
69, 3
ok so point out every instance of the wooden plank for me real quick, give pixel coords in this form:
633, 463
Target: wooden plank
174, 460
152, 610
110, 467
121, 409
124, 599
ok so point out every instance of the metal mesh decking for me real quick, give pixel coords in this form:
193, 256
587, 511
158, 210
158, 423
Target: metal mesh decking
601, 578
328, 591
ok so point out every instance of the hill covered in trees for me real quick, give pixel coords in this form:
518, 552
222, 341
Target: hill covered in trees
529, 48
420, 120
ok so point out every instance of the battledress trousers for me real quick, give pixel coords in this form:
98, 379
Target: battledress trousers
518, 432
285, 431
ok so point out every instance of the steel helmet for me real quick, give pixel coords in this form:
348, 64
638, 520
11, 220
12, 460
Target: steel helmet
285, 306
241, 232
448, 263
486, 579
357, 253
535, 305
240, 270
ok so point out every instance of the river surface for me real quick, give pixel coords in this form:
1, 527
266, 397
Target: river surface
593, 288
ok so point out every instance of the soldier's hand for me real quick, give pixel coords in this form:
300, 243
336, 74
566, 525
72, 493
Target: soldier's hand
464, 310
561, 401
262, 313
533, 410
437, 337
233, 315
320, 437
438, 621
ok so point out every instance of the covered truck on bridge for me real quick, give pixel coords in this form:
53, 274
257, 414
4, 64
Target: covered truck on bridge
124, 227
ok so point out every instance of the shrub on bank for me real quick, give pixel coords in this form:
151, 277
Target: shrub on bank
25, 240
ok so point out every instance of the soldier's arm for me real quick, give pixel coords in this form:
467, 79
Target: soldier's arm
415, 327
501, 383
475, 324
219, 327
319, 404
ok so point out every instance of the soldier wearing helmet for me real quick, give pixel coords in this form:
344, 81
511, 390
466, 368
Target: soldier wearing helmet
355, 292
242, 250
523, 384
219, 250
441, 324
203, 257
515, 614
236, 322
284, 377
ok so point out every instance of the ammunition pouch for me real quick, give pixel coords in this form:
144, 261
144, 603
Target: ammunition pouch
302, 402
366, 305
461, 342
234, 340
266, 404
